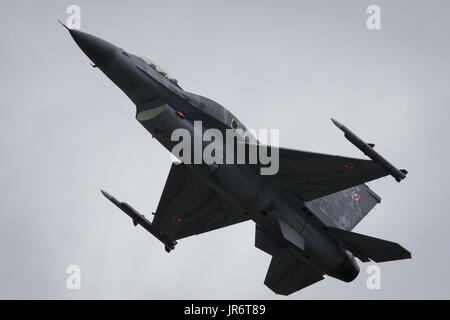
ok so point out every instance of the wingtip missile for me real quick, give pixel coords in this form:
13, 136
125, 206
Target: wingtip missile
111, 198
106, 194
140, 219
63, 25
368, 150
336, 123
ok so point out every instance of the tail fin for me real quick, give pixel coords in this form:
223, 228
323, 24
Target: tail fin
344, 209
365, 247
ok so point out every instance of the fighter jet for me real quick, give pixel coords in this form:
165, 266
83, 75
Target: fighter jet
303, 214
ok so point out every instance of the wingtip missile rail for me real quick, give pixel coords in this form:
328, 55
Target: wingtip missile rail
368, 150
140, 219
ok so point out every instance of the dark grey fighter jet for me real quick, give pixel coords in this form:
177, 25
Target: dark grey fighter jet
304, 214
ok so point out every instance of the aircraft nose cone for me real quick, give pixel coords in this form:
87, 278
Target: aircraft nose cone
98, 50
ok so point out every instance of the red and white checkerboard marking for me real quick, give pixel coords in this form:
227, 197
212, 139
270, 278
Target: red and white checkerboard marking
348, 166
356, 196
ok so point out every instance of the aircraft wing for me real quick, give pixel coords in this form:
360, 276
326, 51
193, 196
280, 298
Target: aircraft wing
188, 206
313, 175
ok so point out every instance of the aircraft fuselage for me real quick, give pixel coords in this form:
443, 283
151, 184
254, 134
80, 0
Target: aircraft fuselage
160, 109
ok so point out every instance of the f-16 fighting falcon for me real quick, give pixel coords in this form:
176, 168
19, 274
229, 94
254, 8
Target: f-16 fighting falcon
304, 213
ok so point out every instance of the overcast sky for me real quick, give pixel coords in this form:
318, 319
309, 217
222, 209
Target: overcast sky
67, 131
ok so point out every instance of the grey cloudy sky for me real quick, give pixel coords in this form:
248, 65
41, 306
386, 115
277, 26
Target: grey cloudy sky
67, 131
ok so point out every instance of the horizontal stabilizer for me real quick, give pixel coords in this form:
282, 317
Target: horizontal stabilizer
267, 243
287, 274
365, 247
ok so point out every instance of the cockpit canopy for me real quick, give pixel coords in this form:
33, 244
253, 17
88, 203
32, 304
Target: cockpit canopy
163, 71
